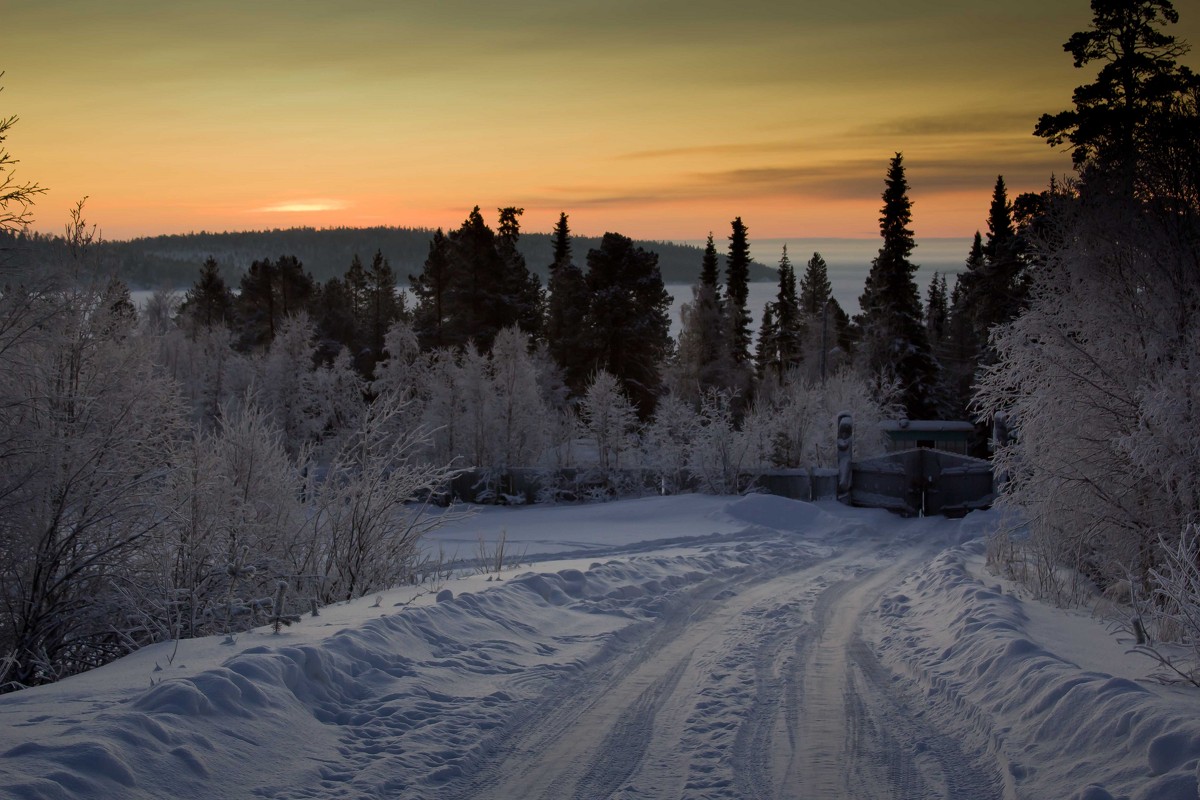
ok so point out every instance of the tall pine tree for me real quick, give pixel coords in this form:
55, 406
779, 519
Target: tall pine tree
895, 346
815, 288
703, 360
432, 291
209, 302
737, 289
627, 318
566, 334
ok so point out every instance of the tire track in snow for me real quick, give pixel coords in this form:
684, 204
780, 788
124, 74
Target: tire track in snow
626, 744
550, 751
918, 760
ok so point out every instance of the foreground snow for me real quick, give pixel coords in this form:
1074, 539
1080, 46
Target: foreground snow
677, 647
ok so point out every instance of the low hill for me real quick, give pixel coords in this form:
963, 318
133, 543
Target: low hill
175, 259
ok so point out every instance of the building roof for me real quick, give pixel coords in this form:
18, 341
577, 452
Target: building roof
932, 429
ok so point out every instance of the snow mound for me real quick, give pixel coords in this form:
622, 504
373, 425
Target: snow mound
780, 513
1064, 731
416, 694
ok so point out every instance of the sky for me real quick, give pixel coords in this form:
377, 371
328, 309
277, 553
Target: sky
660, 119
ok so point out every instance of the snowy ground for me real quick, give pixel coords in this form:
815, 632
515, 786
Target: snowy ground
685, 647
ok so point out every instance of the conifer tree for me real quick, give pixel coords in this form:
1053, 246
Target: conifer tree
937, 311
815, 288
627, 318
737, 288
271, 291
209, 302
959, 350
999, 287
566, 335
781, 334
521, 287
766, 352
703, 360
337, 325
894, 342
356, 285
432, 290
384, 304
1136, 128
789, 321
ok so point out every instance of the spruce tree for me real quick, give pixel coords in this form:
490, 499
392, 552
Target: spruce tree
766, 353
566, 335
704, 360
710, 321
815, 288
209, 302
337, 326
894, 342
737, 288
627, 319
356, 287
959, 351
432, 289
789, 322
521, 288
999, 290
385, 304
937, 310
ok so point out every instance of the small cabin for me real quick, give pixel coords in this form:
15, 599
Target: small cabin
953, 436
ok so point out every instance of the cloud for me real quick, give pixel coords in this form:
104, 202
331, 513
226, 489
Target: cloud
941, 125
740, 148
302, 207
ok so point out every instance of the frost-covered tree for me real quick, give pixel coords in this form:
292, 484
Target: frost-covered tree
609, 419
1098, 379
520, 415
667, 442
85, 427
703, 361
719, 452
368, 511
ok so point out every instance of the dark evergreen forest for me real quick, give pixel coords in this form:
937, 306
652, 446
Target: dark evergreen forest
150, 262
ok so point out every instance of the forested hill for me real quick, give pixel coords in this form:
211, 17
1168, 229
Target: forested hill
175, 260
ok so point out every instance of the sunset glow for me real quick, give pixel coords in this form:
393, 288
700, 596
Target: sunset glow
661, 120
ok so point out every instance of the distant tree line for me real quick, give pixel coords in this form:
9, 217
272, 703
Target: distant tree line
170, 260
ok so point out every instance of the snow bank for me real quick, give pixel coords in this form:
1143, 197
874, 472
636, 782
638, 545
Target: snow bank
968, 644
410, 693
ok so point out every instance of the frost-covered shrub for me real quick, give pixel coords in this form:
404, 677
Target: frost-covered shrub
609, 420
796, 425
1098, 378
1170, 611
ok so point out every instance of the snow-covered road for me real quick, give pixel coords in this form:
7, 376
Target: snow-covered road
748, 648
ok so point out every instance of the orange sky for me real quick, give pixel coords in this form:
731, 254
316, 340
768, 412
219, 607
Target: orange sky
661, 119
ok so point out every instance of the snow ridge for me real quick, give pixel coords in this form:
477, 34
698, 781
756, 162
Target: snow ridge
1064, 732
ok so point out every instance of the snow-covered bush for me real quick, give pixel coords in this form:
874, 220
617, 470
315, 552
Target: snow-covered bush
796, 425
1098, 378
368, 510
667, 442
1170, 611
609, 420
720, 453
86, 426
